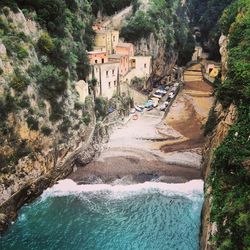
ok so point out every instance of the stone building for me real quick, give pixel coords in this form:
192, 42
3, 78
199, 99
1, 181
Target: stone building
125, 49
96, 57
141, 65
123, 61
82, 89
106, 40
107, 76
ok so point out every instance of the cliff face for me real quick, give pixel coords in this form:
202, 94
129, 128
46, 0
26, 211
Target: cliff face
226, 162
226, 118
42, 121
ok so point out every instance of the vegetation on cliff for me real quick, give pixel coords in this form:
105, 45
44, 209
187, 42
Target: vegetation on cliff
43, 53
205, 14
230, 177
108, 7
167, 20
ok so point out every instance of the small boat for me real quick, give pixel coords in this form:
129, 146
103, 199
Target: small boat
135, 117
132, 111
137, 108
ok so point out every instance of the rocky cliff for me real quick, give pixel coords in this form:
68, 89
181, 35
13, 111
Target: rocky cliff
226, 157
42, 121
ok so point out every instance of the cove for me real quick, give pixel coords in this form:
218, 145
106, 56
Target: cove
143, 216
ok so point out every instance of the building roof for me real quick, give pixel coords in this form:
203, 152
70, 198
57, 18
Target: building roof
96, 52
106, 64
115, 56
124, 45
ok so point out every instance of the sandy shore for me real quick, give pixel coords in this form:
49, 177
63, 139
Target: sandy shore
153, 148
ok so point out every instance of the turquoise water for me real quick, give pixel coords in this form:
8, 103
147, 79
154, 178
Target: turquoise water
102, 217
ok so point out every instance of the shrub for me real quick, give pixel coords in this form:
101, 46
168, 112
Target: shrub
78, 106
86, 118
22, 53
10, 3
19, 81
138, 26
57, 111
138, 83
51, 81
10, 103
33, 124
46, 130
101, 107
211, 122
65, 125
4, 25
45, 44
24, 102
1, 71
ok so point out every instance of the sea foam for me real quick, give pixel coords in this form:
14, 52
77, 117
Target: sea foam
68, 187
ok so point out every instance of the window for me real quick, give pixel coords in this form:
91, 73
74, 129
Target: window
109, 84
114, 83
102, 60
145, 65
96, 61
113, 72
107, 73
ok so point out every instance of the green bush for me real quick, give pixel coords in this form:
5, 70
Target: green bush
138, 83
86, 118
19, 81
10, 103
57, 111
101, 107
24, 102
140, 25
22, 53
46, 130
32, 123
65, 125
10, 3
45, 44
52, 81
211, 122
78, 106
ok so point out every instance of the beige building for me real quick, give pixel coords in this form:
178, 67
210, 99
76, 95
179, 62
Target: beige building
107, 76
82, 89
106, 40
141, 65
97, 57
123, 61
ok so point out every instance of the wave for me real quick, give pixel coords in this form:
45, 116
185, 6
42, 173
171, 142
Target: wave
191, 189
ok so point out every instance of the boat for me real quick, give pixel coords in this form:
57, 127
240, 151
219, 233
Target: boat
137, 108
132, 111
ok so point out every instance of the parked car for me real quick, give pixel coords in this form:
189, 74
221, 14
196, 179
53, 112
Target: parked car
161, 92
155, 102
157, 95
149, 104
164, 106
137, 108
171, 95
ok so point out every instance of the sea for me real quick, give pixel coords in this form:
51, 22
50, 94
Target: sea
146, 216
